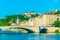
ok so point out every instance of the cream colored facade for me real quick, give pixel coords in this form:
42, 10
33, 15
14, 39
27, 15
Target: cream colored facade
34, 21
48, 19
23, 23
31, 22
42, 20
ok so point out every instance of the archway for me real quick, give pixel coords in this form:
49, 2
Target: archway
44, 30
29, 31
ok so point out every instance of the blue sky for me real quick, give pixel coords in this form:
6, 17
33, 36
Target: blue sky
10, 7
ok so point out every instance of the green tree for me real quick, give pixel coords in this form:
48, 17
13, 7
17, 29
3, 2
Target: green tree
58, 12
26, 18
34, 15
3, 22
56, 23
57, 31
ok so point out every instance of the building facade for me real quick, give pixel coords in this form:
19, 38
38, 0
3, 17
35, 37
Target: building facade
41, 20
48, 19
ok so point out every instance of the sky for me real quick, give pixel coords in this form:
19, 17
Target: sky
11, 7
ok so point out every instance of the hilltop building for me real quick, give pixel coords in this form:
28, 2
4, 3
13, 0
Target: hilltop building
29, 13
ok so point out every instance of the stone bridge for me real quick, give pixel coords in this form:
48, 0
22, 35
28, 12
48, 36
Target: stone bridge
29, 29
32, 29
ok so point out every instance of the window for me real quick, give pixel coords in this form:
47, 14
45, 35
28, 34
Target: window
57, 18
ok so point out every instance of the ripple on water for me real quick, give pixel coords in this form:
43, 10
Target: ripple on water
30, 36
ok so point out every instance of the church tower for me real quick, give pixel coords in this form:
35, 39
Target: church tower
17, 21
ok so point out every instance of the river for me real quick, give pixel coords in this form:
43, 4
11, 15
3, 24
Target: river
29, 36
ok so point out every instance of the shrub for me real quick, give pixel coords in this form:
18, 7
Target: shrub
57, 31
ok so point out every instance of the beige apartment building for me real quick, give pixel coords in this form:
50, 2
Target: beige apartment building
31, 22
34, 21
48, 19
41, 20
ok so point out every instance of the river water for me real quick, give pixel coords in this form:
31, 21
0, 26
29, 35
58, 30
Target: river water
29, 36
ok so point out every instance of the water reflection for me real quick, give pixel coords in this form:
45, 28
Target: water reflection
46, 37
30, 36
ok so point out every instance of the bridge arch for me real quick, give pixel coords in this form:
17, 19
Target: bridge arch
43, 30
29, 31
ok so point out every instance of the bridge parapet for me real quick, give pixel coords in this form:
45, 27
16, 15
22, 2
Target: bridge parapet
35, 29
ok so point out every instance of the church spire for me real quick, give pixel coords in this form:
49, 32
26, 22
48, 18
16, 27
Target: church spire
17, 21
